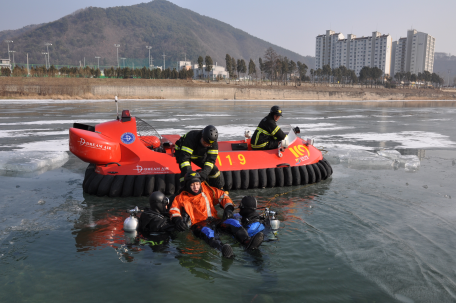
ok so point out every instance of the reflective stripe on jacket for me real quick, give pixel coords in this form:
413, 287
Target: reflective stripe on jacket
202, 206
266, 131
190, 148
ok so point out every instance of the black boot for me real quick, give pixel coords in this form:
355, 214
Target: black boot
254, 242
227, 251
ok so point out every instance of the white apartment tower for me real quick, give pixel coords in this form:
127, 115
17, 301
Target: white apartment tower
353, 53
414, 54
324, 47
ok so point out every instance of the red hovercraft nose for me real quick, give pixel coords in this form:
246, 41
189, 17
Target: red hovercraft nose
126, 115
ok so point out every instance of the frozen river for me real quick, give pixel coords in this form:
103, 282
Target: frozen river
381, 229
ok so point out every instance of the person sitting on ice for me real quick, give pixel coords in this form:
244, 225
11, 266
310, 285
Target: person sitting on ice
198, 200
268, 134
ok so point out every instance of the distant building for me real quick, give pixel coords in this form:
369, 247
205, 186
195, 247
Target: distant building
216, 71
414, 54
438, 55
353, 53
185, 64
5, 63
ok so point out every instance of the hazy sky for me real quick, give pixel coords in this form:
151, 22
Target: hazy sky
292, 24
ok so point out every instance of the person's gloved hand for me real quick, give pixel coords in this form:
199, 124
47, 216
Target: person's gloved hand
179, 224
203, 175
228, 212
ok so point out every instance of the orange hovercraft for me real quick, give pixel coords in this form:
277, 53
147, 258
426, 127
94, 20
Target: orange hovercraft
128, 157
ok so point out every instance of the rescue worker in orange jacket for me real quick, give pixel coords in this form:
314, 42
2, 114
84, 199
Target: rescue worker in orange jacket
198, 200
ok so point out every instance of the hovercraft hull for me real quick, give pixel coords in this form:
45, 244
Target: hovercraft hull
123, 163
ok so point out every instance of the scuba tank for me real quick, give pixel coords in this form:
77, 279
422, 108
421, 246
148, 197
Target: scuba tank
270, 219
131, 223
273, 222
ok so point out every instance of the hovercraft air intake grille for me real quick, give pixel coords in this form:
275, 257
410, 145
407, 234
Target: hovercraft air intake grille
147, 134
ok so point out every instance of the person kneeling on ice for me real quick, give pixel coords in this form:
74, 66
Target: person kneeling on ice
156, 218
198, 200
250, 219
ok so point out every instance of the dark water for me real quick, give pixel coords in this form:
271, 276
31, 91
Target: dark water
364, 235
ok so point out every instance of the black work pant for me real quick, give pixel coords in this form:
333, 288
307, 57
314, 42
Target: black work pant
270, 145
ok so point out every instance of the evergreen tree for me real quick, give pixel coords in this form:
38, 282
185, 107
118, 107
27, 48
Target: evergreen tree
252, 68
302, 70
243, 67
260, 61
233, 66
291, 67
285, 69
209, 65
228, 64
200, 65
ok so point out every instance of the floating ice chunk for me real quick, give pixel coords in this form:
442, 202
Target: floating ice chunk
336, 156
372, 161
30, 161
345, 156
389, 153
411, 163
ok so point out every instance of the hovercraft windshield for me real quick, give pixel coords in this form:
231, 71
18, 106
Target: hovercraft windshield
148, 135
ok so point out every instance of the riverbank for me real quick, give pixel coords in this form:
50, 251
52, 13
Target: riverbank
80, 89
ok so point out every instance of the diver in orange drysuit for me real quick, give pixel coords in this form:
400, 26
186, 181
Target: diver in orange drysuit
198, 200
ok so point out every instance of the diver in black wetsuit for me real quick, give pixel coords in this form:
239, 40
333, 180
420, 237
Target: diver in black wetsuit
250, 219
155, 218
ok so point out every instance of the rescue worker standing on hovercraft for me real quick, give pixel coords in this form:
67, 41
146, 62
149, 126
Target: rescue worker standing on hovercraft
268, 134
198, 200
201, 148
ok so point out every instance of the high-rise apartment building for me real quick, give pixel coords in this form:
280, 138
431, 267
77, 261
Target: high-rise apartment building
414, 54
353, 53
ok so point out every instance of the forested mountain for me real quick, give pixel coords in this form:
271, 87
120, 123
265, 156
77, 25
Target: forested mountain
163, 25
11, 34
445, 66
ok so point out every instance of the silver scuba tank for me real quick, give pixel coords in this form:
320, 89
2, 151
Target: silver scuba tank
131, 223
275, 224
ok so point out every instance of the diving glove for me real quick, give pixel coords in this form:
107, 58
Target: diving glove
179, 224
228, 212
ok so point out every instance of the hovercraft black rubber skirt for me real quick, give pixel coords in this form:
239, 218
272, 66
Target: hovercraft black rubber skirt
144, 185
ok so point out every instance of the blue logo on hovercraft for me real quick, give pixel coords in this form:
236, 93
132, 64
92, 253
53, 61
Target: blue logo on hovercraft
127, 138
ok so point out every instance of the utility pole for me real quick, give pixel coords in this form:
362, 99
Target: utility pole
123, 61
47, 50
117, 46
9, 41
13, 57
45, 58
164, 56
98, 61
28, 71
149, 48
449, 71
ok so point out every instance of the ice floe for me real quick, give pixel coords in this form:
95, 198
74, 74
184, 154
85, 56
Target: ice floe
20, 162
383, 159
